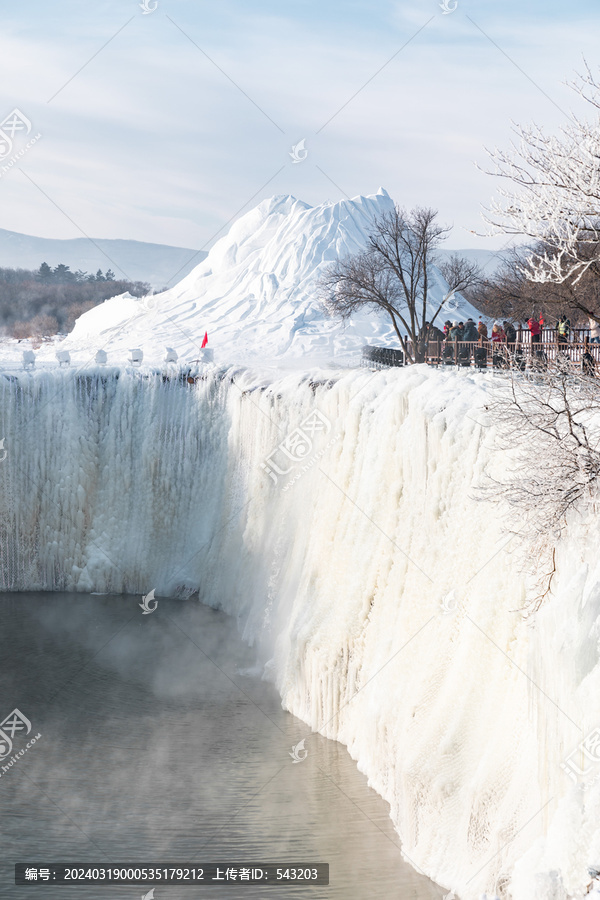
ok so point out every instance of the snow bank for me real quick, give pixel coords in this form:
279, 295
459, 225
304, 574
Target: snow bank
336, 517
255, 294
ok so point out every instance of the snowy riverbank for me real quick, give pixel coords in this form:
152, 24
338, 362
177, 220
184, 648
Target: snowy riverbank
384, 595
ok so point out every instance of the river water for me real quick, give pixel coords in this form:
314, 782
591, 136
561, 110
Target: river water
160, 744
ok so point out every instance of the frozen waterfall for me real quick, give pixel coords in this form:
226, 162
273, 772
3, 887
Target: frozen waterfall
336, 517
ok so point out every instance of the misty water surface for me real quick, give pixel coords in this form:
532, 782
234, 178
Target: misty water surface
161, 744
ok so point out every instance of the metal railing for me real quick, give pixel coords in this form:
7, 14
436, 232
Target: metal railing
382, 357
523, 353
583, 356
550, 335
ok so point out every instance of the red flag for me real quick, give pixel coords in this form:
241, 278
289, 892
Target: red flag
205, 340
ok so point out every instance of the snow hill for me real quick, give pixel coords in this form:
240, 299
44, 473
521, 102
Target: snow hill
255, 294
158, 264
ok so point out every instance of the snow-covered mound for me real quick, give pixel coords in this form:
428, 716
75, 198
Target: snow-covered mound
255, 293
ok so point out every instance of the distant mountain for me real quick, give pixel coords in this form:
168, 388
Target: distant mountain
159, 264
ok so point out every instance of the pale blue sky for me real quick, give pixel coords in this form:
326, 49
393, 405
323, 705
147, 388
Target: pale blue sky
188, 114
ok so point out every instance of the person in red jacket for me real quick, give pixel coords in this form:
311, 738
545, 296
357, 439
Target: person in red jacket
498, 334
536, 330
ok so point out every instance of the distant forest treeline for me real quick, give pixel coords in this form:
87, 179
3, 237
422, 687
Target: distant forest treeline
40, 304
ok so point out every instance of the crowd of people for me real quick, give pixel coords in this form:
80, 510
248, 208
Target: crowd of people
469, 332
462, 342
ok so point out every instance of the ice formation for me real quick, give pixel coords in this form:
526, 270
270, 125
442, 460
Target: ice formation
255, 294
336, 516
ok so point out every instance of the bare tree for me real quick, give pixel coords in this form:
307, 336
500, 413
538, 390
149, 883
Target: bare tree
393, 275
58, 298
510, 294
551, 426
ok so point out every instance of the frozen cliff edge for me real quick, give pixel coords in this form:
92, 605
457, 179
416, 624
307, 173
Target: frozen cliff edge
385, 596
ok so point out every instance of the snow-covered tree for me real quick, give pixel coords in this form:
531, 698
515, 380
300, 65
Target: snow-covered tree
550, 425
552, 196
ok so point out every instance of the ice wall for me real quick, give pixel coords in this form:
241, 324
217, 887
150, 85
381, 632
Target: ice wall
336, 516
